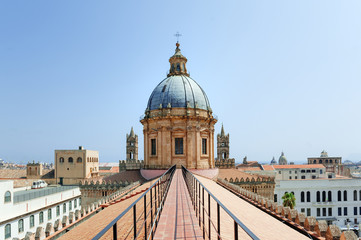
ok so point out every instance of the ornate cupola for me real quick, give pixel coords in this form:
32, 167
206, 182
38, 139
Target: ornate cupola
177, 63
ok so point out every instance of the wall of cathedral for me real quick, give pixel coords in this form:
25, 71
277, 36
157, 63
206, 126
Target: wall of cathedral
179, 136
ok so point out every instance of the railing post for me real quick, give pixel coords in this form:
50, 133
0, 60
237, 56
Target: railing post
199, 202
115, 232
135, 221
218, 221
209, 215
203, 212
145, 216
151, 211
235, 231
195, 199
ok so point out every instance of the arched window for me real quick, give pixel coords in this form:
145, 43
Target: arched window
49, 214
21, 225
308, 196
32, 223
302, 196
57, 210
355, 195
178, 67
7, 197
329, 196
70, 205
314, 161
74, 203
41, 217
79, 160
61, 159
318, 196
7, 231
326, 160
320, 161
359, 195
324, 196
64, 208
339, 196
345, 195
70, 159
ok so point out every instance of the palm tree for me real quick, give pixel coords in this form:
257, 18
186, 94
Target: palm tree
289, 200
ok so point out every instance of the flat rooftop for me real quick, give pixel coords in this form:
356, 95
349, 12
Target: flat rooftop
29, 194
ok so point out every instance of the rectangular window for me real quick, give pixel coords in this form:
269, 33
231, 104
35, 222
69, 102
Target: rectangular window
153, 146
290, 177
345, 211
324, 212
339, 211
360, 210
355, 211
329, 212
318, 212
302, 210
303, 177
308, 211
204, 145
178, 145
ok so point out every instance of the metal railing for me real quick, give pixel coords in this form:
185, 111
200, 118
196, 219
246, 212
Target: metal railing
204, 210
140, 219
30, 194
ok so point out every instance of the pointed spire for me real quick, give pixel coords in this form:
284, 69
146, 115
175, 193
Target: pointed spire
177, 63
132, 132
222, 131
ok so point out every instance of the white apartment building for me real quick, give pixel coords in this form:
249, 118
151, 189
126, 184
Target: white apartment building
22, 210
336, 200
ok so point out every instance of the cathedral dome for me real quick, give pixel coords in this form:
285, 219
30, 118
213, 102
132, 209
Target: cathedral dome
178, 90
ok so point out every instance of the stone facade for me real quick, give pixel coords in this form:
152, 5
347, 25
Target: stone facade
72, 166
130, 165
34, 170
332, 164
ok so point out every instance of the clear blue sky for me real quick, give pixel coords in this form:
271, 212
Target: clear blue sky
280, 75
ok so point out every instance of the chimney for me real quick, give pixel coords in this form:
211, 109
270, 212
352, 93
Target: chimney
80, 147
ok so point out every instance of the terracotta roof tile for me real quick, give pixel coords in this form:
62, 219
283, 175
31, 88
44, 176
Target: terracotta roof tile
296, 166
130, 176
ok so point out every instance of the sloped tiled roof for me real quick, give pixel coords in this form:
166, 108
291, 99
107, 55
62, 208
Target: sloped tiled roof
130, 176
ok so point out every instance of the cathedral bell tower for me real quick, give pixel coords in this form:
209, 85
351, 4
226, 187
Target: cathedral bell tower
132, 146
222, 145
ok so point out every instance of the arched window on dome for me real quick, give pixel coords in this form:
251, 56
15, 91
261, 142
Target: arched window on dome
178, 67
184, 67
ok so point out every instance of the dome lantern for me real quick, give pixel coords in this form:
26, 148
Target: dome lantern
177, 63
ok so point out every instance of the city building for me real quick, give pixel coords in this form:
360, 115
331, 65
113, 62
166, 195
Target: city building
332, 164
34, 170
336, 200
178, 123
24, 209
73, 166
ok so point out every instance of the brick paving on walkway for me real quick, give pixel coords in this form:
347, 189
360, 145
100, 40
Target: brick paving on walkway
263, 225
178, 220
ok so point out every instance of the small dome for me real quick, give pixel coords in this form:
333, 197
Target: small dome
178, 91
282, 160
273, 161
324, 154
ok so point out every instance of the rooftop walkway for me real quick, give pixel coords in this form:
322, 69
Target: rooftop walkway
260, 223
178, 220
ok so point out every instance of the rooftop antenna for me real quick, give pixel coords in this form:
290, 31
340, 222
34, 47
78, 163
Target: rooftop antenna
177, 35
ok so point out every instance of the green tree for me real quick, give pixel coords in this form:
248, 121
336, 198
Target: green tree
289, 200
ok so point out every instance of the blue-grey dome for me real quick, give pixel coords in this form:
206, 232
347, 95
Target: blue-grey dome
178, 91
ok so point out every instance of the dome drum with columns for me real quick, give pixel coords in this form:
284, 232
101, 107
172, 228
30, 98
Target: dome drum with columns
178, 124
